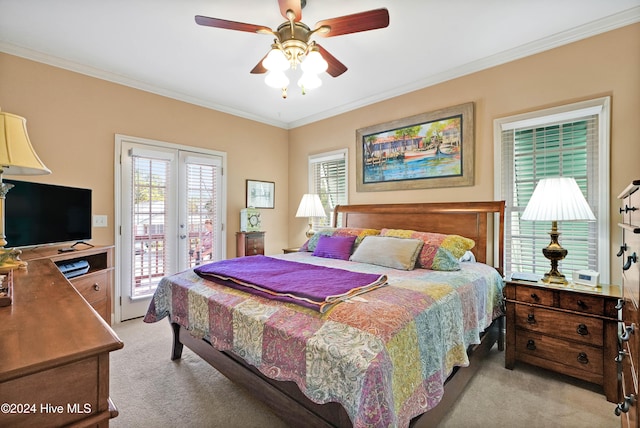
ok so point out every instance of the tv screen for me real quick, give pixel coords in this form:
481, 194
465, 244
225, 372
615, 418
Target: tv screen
37, 214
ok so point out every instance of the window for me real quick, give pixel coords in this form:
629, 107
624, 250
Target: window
328, 179
573, 141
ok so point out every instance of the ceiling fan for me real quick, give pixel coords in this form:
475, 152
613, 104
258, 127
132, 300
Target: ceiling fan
293, 46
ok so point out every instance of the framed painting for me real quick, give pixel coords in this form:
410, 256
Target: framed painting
261, 194
429, 150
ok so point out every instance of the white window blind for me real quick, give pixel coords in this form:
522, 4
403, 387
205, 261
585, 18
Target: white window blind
149, 216
567, 144
328, 179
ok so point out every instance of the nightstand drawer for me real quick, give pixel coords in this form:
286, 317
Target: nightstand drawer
570, 326
582, 303
580, 357
534, 295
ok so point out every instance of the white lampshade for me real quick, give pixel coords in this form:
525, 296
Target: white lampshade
310, 206
558, 199
17, 156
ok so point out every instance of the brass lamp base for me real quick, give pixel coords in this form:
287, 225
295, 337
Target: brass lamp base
555, 253
310, 232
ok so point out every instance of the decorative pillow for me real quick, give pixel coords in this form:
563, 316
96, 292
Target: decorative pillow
468, 257
389, 252
334, 247
440, 251
359, 233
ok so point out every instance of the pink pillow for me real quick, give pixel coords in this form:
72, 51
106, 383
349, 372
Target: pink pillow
334, 247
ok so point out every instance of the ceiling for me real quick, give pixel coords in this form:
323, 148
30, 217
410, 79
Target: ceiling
156, 46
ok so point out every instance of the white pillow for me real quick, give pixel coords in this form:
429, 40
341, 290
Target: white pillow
396, 253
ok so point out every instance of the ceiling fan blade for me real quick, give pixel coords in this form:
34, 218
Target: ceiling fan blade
259, 68
230, 25
336, 68
292, 5
363, 21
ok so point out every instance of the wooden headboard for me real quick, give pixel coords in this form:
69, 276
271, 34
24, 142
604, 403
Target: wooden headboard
474, 220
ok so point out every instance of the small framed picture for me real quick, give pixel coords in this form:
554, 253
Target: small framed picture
261, 194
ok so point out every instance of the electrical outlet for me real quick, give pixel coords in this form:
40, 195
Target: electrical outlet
99, 221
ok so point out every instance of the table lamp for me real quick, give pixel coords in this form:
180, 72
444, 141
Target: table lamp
557, 199
310, 207
17, 157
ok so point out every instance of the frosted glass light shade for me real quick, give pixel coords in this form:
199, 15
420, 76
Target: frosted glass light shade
310, 206
314, 63
276, 79
275, 61
17, 156
309, 81
558, 199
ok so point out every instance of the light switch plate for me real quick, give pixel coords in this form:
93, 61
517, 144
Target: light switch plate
99, 221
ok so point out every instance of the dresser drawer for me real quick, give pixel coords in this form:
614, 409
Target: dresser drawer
569, 326
580, 357
534, 295
93, 287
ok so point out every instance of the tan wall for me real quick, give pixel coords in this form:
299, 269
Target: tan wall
607, 64
72, 120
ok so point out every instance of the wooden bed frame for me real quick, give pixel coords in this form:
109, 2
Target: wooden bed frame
481, 221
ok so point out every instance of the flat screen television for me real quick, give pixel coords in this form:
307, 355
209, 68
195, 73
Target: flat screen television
38, 214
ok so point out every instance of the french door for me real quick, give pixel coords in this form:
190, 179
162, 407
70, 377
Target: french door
171, 216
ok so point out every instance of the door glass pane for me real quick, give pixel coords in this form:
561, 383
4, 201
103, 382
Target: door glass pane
203, 222
149, 215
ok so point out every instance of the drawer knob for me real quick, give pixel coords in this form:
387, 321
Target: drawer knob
628, 331
582, 330
582, 358
625, 405
582, 304
623, 248
535, 297
531, 345
96, 286
630, 259
531, 319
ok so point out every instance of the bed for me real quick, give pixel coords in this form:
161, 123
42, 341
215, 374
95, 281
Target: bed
355, 372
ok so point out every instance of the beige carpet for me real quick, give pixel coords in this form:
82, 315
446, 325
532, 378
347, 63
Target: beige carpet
152, 391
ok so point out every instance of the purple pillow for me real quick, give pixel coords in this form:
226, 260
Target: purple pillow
334, 247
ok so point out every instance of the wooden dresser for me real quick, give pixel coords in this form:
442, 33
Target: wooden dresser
95, 285
54, 359
249, 243
568, 329
629, 341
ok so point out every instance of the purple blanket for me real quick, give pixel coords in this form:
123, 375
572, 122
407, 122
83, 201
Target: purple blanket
315, 287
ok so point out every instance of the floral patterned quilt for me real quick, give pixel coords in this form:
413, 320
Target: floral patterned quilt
383, 355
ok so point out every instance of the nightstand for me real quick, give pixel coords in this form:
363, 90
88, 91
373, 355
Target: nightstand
567, 329
249, 243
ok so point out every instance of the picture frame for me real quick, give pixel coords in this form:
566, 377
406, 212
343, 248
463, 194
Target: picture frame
428, 150
261, 194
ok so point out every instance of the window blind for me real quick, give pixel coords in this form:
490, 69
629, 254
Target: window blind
328, 179
534, 151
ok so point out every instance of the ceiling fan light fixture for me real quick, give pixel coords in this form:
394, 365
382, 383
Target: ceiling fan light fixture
276, 79
309, 81
276, 60
314, 62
